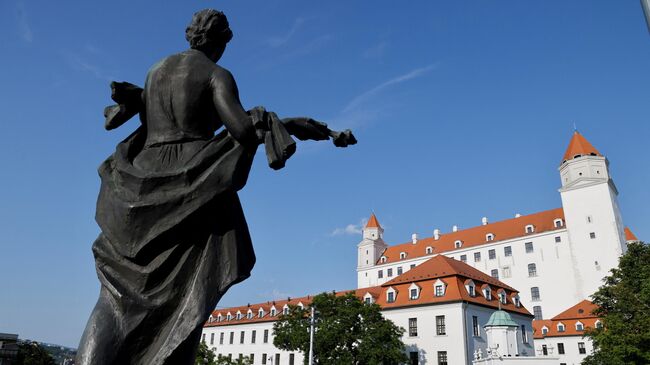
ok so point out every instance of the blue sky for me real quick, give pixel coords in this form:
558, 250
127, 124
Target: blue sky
462, 109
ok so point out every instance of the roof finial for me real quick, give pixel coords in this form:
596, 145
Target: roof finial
575, 128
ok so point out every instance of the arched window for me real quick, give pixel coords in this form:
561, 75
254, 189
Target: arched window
228, 316
502, 297
249, 315
530, 228
458, 244
402, 255
383, 259
260, 313
414, 292
532, 270
516, 301
429, 250
544, 330
391, 295
560, 327
439, 288
558, 223
238, 315
580, 326
599, 324
470, 287
273, 312
487, 293
285, 310
489, 237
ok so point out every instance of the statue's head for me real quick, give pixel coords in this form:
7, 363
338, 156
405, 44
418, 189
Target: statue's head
209, 32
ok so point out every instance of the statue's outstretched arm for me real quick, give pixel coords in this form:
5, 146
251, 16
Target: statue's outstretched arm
231, 113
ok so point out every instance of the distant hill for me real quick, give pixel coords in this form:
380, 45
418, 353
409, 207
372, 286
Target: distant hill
62, 355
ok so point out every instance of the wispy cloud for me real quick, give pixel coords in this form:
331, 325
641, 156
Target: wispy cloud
376, 50
365, 96
80, 63
24, 28
278, 41
350, 229
274, 294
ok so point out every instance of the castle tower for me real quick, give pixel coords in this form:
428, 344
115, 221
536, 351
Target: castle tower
593, 220
369, 250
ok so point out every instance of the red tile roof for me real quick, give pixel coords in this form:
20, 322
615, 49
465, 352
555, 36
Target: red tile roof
453, 273
579, 146
581, 312
629, 236
476, 236
372, 222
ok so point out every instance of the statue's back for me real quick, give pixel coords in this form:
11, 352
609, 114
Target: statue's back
178, 99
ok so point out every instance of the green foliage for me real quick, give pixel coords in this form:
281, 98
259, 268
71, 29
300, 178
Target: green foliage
205, 356
347, 332
224, 360
31, 353
624, 302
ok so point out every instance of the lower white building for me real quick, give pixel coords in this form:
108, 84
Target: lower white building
563, 336
443, 306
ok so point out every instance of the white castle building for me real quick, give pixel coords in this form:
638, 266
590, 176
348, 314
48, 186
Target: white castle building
470, 295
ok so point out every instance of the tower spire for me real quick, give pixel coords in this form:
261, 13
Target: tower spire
579, 146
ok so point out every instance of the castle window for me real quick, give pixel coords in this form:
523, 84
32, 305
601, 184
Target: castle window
249, 315
560, 348
219, 318
599, 324
429, 250
532, 270
382, 259
412, 266
558, 239
458, 244
441, 328
380, 274
560, 327
389, 272
463, 258
537, 312
503, 298
228, 317
440, 290
477, 256
285, 310
475, 327
494, 273
238, 316
506, 271
530, 228
414, 292
487, 293
516, 300
592, 235
492, 254
580, 326
589, 219
413, 327
524, 334
529, 247
507, 251
544, 330
558, 223
260, 313
399, 270
273, 312
489, 237
367, 298
402, 255
390, 295
534, 293
581, 348
470, 287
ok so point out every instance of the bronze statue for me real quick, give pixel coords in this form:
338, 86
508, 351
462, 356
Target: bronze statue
174, 237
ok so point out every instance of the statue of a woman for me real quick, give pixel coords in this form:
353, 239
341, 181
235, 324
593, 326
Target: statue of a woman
174, 237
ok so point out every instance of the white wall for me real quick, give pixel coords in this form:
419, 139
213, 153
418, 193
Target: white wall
571, 354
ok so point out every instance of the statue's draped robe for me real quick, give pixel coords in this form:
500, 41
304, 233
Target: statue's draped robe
173, 240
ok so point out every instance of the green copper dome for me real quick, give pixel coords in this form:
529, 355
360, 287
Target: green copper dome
501, 318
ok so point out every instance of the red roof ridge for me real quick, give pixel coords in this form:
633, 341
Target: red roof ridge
583, 309
579, 146
629, 235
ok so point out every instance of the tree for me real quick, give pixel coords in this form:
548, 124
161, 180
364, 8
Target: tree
31, 353
624, 305
348, 331
205, 356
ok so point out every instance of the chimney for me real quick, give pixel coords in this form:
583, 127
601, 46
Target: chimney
484, 221
414, 238
454, 228
436, 234
517, 215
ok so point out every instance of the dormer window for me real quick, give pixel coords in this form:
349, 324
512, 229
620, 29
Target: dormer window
560, 327
238, 315
228, 316
367, 298
301, 305
439, 288
580, 326
502, 297
544, 330
210, 319
402, 255
487, 293
382, 259
516, 301
471, 288
219, 318
489, 237
260, 313
285, 310
599, 324
414, 292
273, 312
429, 250
391, 295
530, 228
458, 244
558, 223
249, 315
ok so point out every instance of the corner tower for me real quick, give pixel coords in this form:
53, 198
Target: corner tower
593, 218
368, 252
